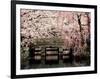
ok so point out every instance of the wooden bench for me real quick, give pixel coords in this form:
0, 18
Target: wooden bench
35, 55
67, 55
51, 55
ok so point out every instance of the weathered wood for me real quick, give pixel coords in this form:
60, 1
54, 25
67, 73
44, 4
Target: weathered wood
35, 56
51, 55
